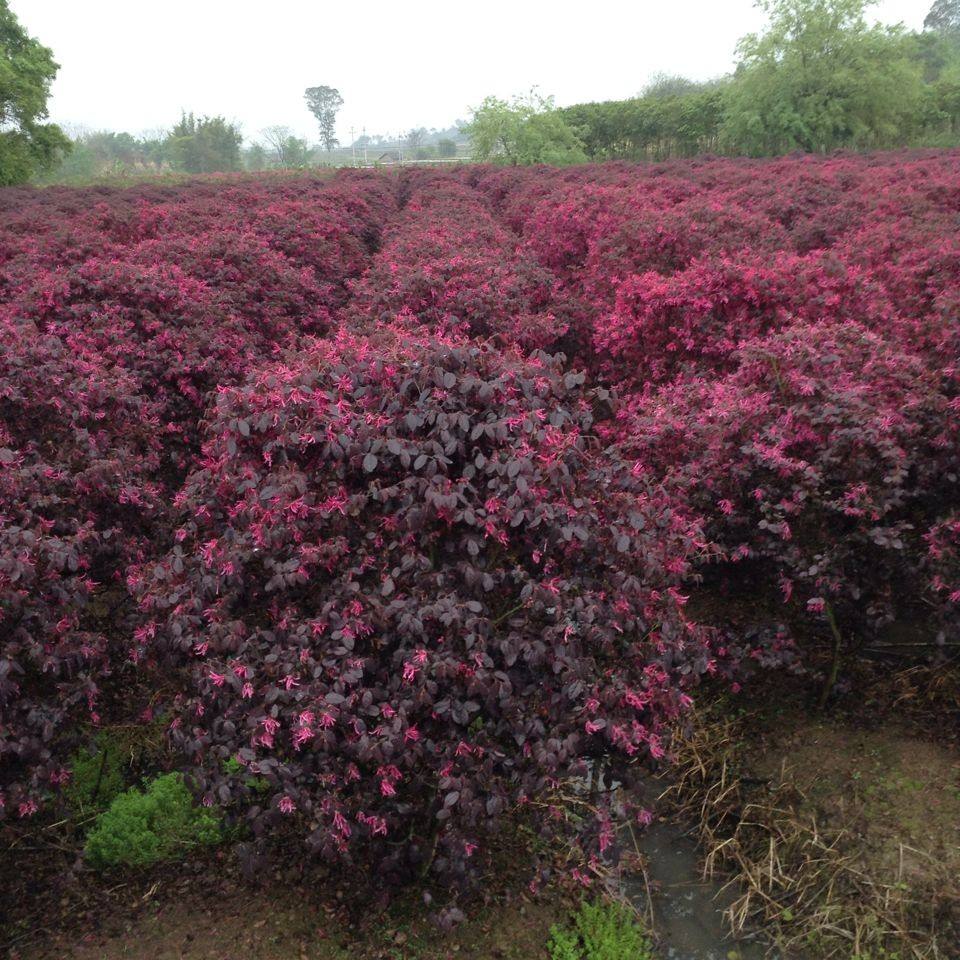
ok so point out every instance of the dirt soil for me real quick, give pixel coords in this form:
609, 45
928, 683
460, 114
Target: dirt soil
840, 827
883, 768
179, 921
898, 792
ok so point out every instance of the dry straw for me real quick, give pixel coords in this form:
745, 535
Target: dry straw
804, 882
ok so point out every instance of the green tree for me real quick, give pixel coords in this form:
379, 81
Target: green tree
154, 148
204, 144
935, 52
669, 85
656, 126
27, 69
522, 131
288, 150
944, 17
323, 103
819, 78
255, 157
447, 147
943, 106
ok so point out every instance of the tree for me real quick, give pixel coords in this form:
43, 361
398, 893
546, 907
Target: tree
289, 151
415, 138
944, 17
255, 157
819, 78
670, 85
522, 131
155, 148
655, 126
204, 145
276, 138
944, 104
323, 103
27, 69
447, 147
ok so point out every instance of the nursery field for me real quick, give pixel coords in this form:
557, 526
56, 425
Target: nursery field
355, 517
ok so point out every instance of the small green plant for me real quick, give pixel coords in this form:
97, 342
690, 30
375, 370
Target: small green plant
600, 931
144, 827
109, 762
257, 784
97, 775
564, 944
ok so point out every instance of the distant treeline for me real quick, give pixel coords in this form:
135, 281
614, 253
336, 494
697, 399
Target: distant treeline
827, 82
192, 145
212, 144
820, 77
650, 127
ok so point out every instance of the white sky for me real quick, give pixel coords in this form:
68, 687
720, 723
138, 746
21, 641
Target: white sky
132, 65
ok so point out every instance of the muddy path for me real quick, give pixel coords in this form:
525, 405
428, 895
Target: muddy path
687, 909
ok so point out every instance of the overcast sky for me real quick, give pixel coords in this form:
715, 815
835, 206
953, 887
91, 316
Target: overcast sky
133, 65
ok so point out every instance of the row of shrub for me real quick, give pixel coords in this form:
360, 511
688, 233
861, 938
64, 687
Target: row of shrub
783, 338
447, 266
123, 313
391, 491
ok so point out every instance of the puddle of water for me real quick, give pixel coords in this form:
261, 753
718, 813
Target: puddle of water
688, 910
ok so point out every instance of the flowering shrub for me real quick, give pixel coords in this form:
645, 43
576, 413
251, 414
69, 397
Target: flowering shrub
696, 318
814, 455
283, 450
77, 449
448, 267
415, 594
660, 325
943, 546
111, 340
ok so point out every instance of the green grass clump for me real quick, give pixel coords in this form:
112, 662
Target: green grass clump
97, 774
140, 828
600, 931
109, 762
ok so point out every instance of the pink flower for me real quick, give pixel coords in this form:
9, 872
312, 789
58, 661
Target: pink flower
581, 877
387, 788
300, 736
